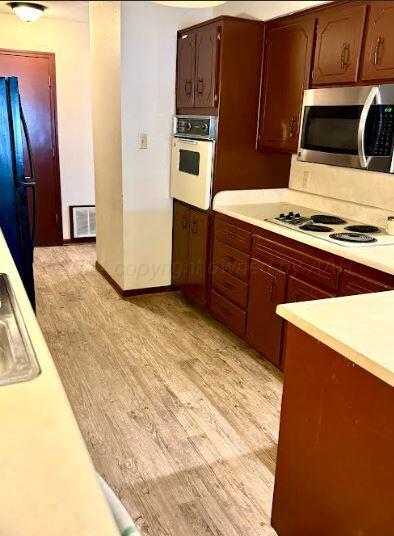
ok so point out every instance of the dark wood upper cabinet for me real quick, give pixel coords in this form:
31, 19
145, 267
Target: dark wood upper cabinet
286, 72
185, 70
196, 286
205, 94
338, 45
378, 62
267, 288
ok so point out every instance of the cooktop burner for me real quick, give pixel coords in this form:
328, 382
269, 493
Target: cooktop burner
362, 228
353, 237
325, 218
316, 228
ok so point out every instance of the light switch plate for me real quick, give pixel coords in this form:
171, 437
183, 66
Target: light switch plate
143, 141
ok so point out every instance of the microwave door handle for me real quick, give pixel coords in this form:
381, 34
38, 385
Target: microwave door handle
361, 127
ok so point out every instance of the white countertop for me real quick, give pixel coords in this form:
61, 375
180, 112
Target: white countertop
48, 484
254, 206
361, 328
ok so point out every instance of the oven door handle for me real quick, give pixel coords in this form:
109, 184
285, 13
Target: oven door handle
361, 127
189, 142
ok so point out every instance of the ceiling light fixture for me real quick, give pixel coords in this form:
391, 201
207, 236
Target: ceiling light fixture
189, 4
27, 11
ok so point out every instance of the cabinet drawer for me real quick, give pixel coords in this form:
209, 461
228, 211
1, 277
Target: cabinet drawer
231, 260
229, 286
228, 314
301, 265
352, 283
233, 236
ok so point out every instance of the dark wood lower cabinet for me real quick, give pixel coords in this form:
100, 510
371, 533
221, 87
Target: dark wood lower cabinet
267, 289
190, 256
253, 271
196, 285
334, 472
180, 244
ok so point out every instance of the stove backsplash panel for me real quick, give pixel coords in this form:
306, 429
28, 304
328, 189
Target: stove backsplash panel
357, 186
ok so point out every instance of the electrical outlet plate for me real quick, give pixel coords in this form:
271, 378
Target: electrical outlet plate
306, 179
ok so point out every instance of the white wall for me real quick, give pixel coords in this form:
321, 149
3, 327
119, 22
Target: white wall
107, 135
70, 43
148, 105
262, 10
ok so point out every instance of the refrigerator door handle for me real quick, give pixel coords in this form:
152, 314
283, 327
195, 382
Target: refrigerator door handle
30, 182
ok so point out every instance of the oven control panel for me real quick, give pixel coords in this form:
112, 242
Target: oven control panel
197, 127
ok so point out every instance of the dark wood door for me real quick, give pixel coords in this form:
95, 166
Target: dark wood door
338, 45
267, 289
196, 287
379, 46
180, 244
186, 60
206, 67
288, 51
35, 72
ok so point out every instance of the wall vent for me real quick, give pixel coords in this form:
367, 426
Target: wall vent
83, 221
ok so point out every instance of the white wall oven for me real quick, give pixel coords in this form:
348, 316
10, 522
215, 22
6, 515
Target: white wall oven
349, 127
193, 150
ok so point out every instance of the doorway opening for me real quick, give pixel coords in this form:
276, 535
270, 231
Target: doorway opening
37, 87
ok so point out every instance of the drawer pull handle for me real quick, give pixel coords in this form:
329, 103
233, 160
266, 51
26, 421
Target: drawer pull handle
230, 259
228, 285
225, 311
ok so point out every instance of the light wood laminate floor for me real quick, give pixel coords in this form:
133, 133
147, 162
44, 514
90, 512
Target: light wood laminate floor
178, 414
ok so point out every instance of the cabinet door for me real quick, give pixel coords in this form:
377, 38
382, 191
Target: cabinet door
206, 67
288, 51
180, 244
196, 287
267, 289
379, 47
186, 59
338, 45
298, 291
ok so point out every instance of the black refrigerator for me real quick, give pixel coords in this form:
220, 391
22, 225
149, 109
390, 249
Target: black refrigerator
17, 218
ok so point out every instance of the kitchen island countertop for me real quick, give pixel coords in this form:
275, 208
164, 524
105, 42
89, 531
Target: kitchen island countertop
48, 484
361, 328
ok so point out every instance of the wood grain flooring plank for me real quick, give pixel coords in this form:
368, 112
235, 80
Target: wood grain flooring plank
179, 415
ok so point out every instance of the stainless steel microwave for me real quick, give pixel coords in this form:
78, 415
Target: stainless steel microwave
349, 127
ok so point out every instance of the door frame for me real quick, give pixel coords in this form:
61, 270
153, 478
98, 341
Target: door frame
53, 105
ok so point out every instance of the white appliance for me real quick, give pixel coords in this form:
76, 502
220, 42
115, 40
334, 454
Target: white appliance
193, 150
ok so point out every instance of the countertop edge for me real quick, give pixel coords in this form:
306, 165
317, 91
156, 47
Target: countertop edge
363, 361
347, 253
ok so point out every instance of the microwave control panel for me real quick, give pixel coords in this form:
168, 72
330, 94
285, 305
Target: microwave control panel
383, 144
